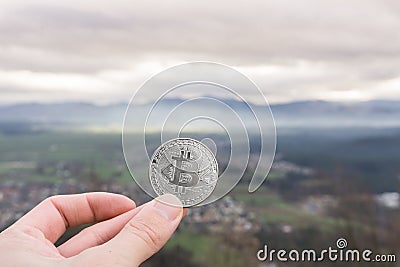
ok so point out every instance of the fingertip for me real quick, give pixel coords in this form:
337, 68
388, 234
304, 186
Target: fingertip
172, 200
115, 198
124, 198
128, 200
169, 206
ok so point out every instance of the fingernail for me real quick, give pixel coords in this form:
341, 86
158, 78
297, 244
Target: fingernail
168, 206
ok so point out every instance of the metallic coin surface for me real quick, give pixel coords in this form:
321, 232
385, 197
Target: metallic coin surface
185, 168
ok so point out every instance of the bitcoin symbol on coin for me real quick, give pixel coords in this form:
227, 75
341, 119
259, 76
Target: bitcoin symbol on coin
182, 177
186, 168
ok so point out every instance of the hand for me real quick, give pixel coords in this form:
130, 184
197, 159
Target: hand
125, 235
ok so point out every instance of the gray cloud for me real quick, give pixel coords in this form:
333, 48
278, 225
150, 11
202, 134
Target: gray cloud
319, 48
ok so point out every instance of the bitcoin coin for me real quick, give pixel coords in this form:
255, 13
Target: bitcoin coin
186, 168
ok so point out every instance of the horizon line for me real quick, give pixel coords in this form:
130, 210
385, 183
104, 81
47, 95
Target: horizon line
82, 102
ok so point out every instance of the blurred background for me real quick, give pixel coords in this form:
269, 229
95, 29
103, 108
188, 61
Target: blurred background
330, 70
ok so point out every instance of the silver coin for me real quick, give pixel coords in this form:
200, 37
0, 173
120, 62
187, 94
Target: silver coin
185, 168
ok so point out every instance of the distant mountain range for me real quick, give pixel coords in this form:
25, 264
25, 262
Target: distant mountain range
378, 113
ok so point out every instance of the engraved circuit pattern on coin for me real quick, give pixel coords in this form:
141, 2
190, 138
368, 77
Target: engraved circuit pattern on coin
186, 168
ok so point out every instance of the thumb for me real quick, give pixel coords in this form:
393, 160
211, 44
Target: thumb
143, 235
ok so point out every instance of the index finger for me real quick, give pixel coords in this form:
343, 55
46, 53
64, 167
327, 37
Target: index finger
55, 214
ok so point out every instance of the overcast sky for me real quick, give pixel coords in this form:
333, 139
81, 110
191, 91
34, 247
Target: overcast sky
101, 51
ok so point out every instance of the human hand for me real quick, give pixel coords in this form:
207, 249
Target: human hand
125, 235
